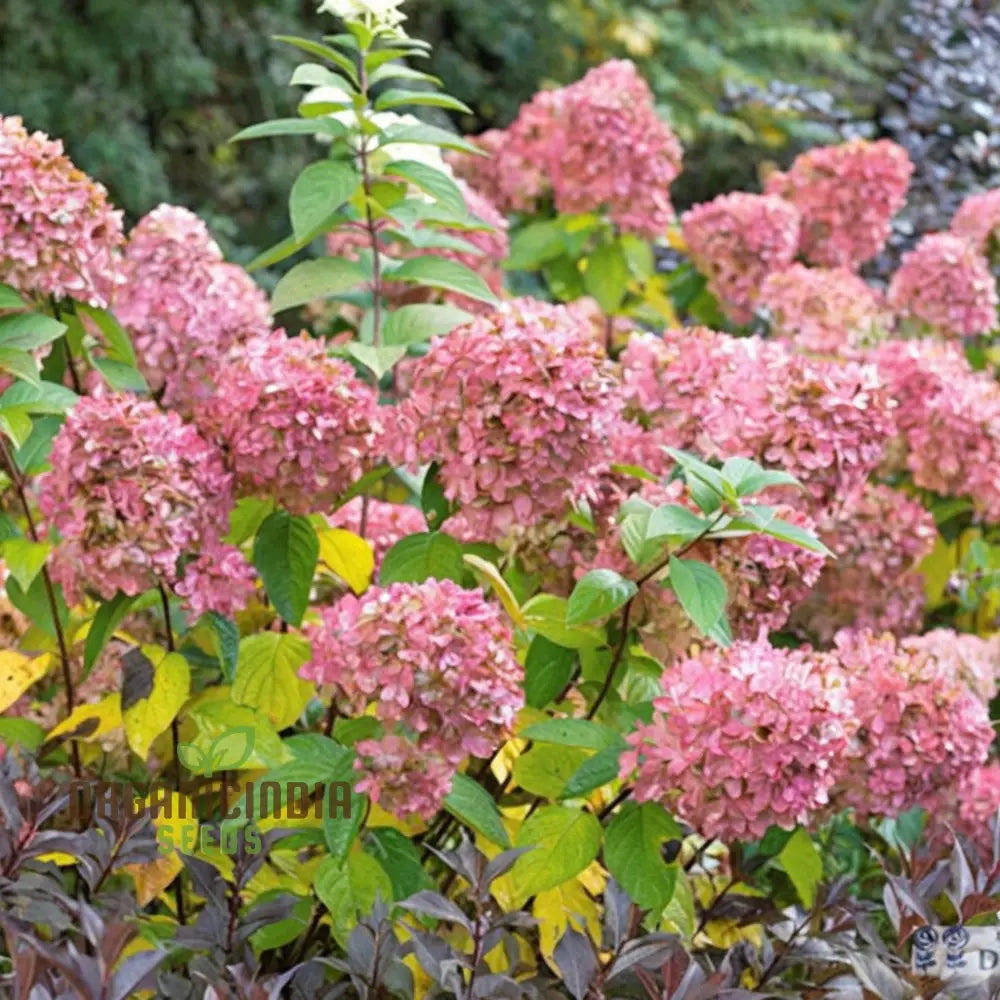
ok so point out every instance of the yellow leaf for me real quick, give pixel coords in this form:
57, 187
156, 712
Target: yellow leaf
18, 672
348, 555
486, 571
57, 858
155, 686
152, 877
567, 904
176, 825
90, 722
267, 678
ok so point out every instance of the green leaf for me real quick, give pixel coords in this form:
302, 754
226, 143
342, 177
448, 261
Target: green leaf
595, 772
340, 832
227, 643
428, 135
803, 865
267, 677
109, 616
597, 595
323, 52
713, 488
747, 477
583, 733
472, 805
632, 853
11, 299
316, 279
25, 331
400, 860
116, 338
545, 768
314, 75
349, 889
318, 192
437, 272
46, 397
33, 456
292, 126
25, 559
14, 730
765, 520
120, 376
34, 604
565, 841
395, 98
546, 615
674, 521
422, 556
547, 670
701, 591
606, 277
377, 360
20, 364
536, 244
431, 181
398, 71
435, 505
246, 518
285, 552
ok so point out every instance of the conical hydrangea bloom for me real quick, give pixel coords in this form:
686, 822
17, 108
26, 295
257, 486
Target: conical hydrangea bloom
185, 306
948, 418
879, 538
517, 408
823, 310
132, 492
846, 195
58, 234
437, 663
596, 144
296, 425
736, 241
742, 739
946, 285
919, 726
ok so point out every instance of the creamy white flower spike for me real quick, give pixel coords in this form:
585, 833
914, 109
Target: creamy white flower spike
374, 13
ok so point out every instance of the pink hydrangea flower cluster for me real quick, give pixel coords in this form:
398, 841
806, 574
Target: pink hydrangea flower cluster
736, 240
491, 249
518, 408
978, 219
879, 538
822, 310
974, 808
295, 424
383, 523
847, 195
920, 727
742, 739
824, 422
945, 284
973, 658
437, 661
598, 144
131, 491
185, 306
948, 417
58, 234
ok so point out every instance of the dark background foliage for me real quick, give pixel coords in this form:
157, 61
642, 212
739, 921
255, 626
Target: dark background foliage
146, 92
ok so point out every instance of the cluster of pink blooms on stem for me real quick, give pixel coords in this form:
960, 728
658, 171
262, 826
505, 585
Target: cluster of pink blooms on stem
846, 195
753, 735
381, 523
743, 738
978, 219
824, 422
486, 251
736, 240
974, 659
946, 285
518, 409
596, 144
437, 662
879, 537
59, 235
296, 425
971, 810
131, 491
822, 310
185, 306
919, 725
948, 418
